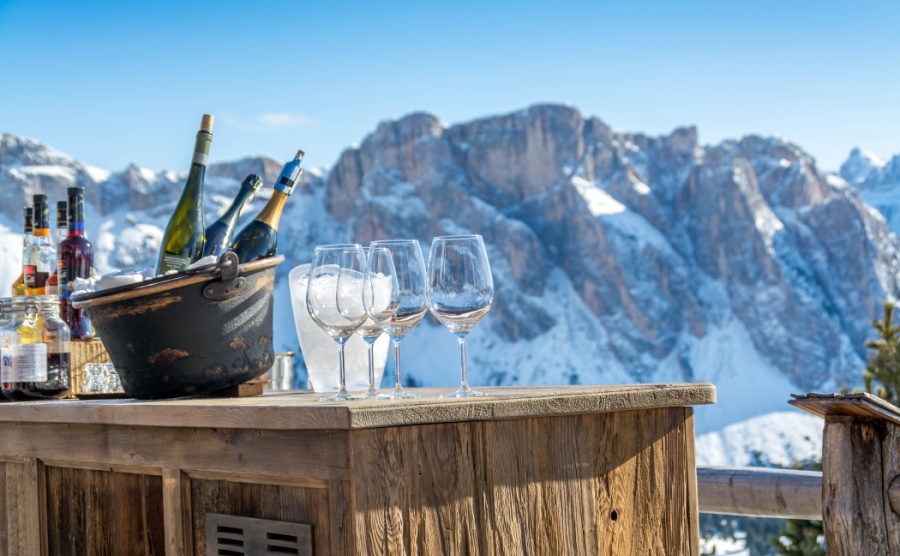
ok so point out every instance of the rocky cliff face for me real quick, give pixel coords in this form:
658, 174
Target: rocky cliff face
616, 256
878, 181
659, 238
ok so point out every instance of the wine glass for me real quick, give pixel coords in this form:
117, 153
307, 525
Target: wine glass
408, 300
460, 292
334, 299
380, 297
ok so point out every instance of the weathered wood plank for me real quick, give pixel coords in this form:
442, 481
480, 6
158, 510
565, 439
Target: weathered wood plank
303, 411
175, 515
890, 453
103, 513
760, 492
340, 518
35, 505
860, 404
852, 494
214, 450
614, 483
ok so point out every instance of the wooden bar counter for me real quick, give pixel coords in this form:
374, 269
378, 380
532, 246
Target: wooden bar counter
544, 470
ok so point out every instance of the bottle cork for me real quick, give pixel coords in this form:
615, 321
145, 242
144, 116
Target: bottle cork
206, 124
300, 154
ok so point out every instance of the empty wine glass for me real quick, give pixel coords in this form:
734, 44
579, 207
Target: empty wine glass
334, 298
380, 297
460, 292
408, 300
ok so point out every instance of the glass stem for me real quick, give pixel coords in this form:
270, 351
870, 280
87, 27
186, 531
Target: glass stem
341, 372
396, 344
371, 351
464, 384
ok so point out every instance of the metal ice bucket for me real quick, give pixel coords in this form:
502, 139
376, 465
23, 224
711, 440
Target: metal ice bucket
191, 333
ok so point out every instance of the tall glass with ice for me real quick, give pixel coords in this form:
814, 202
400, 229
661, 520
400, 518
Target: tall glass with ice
318, 348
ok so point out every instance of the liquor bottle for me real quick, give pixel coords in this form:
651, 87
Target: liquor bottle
258, 239
42, 353
18, 287
219, 233
182, 244
61, 233
74, 259
39, 256
5, 310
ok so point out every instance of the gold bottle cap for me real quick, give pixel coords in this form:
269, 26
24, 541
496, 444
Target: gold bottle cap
207, 123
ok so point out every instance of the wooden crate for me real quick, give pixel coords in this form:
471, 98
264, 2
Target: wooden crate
82, 353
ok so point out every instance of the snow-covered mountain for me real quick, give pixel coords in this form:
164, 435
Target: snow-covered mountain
878, 182
617, 256
777, 439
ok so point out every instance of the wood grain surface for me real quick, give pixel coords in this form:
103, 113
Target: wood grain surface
19, 511
852, 495
859, 404
226, 451
103, 513
299, 411
760, 492
588, 484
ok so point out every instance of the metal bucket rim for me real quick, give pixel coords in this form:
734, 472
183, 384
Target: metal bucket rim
140, 290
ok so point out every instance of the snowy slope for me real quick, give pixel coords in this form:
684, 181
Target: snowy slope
778, 439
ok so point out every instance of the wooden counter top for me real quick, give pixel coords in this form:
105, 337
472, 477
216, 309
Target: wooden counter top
301, 410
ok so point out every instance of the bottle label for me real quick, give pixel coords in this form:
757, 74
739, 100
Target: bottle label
61, 274
173, 262
30, 278
30, 363
7, 361
200, 158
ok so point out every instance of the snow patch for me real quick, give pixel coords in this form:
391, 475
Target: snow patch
599, 202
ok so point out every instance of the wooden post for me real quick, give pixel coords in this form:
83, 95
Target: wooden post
860, 468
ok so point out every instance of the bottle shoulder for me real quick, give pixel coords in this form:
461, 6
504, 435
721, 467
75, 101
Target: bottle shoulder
76, 242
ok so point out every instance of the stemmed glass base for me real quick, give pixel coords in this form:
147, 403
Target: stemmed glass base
464, 392
399, 394
341, 396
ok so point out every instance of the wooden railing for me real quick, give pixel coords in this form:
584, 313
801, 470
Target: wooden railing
758, 492
857, 494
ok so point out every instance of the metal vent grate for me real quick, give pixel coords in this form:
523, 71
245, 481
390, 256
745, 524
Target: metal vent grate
230, 535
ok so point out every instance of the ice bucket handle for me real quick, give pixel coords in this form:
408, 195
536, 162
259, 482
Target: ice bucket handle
230, 283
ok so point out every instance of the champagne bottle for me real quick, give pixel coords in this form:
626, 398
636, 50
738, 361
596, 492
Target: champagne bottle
182, 244
219, 234
74, 259
258, 239
62, 220
39, 256
18, 287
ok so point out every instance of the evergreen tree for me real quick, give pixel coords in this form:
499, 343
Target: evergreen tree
799, 538
884, 367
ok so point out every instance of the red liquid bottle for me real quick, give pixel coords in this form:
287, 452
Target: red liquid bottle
75, 256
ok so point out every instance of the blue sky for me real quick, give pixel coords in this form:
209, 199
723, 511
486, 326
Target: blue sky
116, 82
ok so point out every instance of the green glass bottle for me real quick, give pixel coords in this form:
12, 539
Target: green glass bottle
182, 244
219, 233
258, 240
